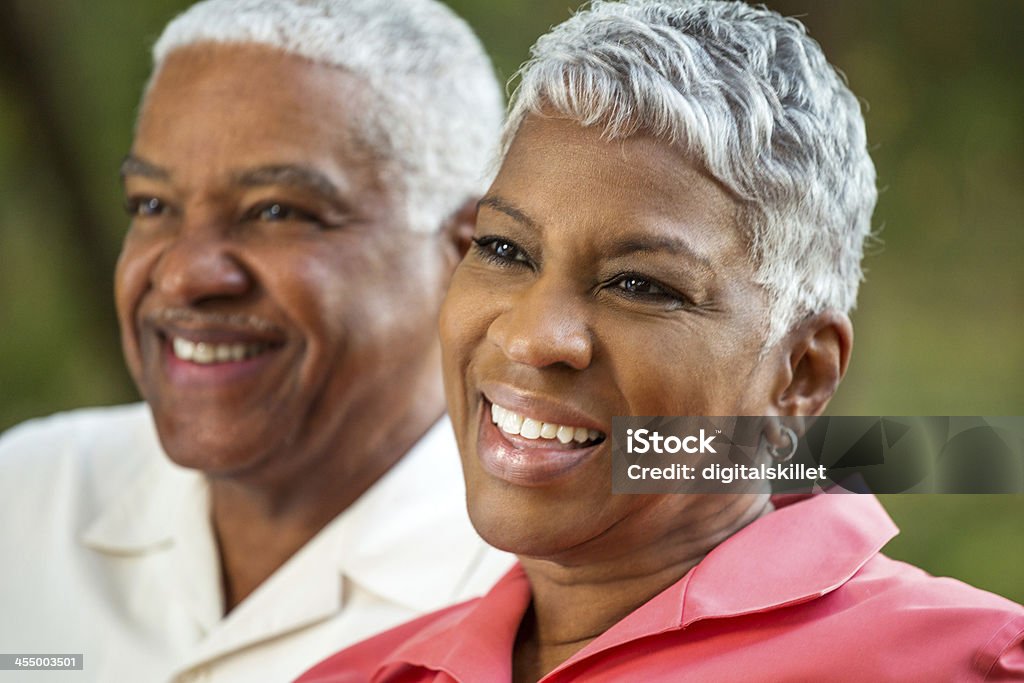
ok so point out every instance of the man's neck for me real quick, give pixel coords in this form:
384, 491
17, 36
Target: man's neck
258, 528
254, 540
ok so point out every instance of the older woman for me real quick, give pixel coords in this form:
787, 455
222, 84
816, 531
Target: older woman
676, 229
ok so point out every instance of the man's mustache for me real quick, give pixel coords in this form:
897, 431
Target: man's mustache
190, 316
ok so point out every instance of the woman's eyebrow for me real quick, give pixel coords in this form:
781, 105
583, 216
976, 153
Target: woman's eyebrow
659, 243
498, 204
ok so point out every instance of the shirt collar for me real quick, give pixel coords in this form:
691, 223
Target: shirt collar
396, 530
145, 516
804, 549
474, 644
807, 547
388, 542
164, 509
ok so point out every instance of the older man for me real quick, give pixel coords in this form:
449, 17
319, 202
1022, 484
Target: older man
301, 178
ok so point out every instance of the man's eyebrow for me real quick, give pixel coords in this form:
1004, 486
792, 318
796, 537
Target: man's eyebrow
660, 243
300, 177
135, 165
509, 209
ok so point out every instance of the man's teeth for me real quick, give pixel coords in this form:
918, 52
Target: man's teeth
528, 428
205, 353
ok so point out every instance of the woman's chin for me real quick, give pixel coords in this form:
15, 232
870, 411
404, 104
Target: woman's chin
514, 520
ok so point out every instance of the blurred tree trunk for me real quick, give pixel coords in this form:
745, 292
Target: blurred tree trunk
24, 44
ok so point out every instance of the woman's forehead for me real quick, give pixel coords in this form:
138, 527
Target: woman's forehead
564, 179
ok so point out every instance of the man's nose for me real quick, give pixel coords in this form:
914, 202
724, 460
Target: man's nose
198, 266
544, 325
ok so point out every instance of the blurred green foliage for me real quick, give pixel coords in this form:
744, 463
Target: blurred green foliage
939, 322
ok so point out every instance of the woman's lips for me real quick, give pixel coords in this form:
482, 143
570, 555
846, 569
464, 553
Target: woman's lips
533, 458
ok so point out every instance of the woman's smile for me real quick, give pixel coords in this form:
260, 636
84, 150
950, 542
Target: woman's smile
533, 445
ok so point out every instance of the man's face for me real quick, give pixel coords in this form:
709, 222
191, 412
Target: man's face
274, 306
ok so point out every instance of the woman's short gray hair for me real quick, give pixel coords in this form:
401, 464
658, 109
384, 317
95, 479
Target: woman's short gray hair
437, 107
748, 94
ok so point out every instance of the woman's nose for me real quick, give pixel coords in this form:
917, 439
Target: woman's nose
198, 267
544, 325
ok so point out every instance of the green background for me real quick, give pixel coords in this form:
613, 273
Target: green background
938, 328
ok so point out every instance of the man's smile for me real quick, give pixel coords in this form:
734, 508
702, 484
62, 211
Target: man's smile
206, 353
206, 346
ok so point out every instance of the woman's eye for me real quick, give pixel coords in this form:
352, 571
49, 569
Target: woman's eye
144, 207
639, 285
500, 250
645, 289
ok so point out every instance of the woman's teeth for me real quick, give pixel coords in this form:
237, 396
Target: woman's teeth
528, 428
205, 353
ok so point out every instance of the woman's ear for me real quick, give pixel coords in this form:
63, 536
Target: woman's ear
457, 232
817, 353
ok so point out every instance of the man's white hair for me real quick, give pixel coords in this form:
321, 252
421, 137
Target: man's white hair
436, 107
749, 95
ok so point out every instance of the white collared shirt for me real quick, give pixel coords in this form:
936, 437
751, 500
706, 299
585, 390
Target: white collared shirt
106, 550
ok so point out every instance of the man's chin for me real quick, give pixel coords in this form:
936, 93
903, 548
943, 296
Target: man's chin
217, 447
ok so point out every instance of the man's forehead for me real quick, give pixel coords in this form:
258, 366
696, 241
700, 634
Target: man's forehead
246, 60
248, 97
236, 77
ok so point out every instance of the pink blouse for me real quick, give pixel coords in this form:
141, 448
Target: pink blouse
802, 594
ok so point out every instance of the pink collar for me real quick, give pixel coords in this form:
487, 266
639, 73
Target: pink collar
807, 547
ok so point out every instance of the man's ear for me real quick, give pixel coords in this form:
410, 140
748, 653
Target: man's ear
816, 353
457, 231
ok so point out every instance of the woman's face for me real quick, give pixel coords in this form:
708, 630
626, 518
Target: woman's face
605, 278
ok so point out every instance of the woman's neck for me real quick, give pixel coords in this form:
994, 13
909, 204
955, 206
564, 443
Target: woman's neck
579, 596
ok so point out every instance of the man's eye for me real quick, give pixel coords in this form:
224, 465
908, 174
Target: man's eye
279, 212
144, 207
500, 250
